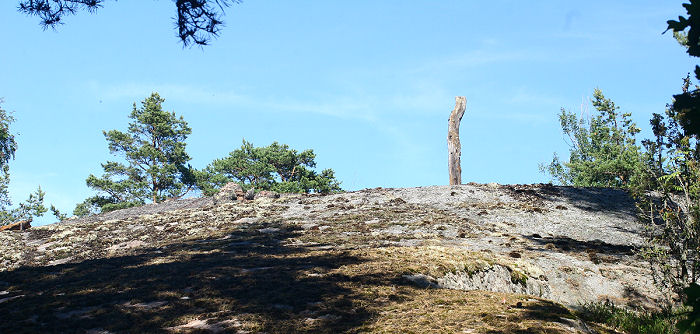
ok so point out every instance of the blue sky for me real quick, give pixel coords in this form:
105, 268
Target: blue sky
368, 85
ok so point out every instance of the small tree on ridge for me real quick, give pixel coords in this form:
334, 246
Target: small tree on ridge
154, 149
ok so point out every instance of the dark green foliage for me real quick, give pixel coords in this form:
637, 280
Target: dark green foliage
88, 207
34, 205
687, 104
663, 178
58, 214
672, 150
670, 201
692, 23
197, 20
8, 146
155, 169
51, 11
629, 321
691, 318
275, 167
603, 149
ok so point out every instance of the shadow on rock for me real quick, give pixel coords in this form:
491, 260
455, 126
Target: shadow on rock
549, 317
246, 281
567, 244
608, 200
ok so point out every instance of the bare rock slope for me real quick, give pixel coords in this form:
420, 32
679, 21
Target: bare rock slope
351, 262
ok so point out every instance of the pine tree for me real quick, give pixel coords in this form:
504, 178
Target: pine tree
155, 169
274, 167
197, 21
34, 205
603, 149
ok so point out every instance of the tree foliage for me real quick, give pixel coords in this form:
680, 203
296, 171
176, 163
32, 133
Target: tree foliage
8, 147
603, 150
34, 205
156, 161
691, 322
687, 104
274, 167
663, 175
197, 21
670, 203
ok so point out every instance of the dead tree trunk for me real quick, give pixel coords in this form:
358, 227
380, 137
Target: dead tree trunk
20, 225
454, 148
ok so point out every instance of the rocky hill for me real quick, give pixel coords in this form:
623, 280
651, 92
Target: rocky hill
472, 258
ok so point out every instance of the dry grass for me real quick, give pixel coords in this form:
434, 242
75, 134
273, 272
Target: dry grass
250, 282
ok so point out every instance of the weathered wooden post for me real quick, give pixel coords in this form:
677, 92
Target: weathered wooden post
454, 148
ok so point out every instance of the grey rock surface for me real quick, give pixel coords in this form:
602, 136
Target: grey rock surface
496, 278
570, 245
250, 194
231, 191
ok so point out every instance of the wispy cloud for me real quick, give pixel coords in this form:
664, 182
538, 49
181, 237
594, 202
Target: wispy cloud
336, 106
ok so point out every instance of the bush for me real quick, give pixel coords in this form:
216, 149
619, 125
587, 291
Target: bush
629, 321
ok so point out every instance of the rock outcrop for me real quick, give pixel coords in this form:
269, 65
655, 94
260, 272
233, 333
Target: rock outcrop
562, 244
231, 191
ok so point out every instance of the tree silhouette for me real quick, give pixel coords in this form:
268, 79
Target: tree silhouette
687, 104
197, 20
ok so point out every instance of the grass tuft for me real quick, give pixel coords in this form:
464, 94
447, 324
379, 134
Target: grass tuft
628, 321
517, 277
